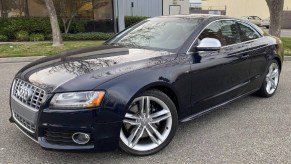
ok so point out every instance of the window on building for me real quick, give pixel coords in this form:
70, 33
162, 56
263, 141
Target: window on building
13, 8
37, 8
102, 9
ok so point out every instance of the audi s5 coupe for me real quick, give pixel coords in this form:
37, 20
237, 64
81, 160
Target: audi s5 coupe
132, 91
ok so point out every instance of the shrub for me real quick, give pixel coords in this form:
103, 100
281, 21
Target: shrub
87, 36
3, 38
22, 36
75, 27
33, 25
37, 37
83, 36
10, 26
131, 20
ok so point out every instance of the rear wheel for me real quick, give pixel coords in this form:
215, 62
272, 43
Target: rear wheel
271, 81
149, 124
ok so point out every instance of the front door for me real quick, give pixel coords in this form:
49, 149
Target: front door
219, 76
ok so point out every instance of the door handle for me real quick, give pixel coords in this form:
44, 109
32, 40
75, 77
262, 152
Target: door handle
245, 56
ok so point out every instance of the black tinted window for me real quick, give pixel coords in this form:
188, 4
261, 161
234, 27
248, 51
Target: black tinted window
226, 32
247, 32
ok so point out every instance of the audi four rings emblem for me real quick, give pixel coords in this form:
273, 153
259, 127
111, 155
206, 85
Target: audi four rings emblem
24, 92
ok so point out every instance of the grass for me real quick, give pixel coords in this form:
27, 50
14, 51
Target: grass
42, 49
287, 46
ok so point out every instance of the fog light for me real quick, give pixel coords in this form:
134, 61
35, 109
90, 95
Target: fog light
81, 138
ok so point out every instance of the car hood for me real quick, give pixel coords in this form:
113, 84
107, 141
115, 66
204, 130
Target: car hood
86, 68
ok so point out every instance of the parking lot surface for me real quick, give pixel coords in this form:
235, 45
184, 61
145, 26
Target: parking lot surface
251, 130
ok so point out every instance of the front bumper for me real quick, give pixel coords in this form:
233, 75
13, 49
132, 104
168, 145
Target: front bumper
54, 128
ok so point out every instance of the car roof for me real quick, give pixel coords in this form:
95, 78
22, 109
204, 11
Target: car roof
205, 16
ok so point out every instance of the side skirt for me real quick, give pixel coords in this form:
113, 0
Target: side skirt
196, 115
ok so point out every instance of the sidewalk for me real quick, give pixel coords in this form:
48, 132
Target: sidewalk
26, 42
20, 59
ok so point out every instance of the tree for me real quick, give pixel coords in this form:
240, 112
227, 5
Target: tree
276, 13
68, 9
56, 32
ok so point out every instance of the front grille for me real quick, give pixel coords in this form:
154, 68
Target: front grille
29, 126
28, 94
61, 137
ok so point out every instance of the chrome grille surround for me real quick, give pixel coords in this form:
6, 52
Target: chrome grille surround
36, 94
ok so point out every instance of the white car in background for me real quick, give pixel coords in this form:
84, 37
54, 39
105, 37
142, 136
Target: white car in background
253, 19
266, 23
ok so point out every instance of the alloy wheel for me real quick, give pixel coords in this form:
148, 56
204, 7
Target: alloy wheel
272, 78
147, 124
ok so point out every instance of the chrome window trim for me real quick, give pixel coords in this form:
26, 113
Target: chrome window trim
261, 36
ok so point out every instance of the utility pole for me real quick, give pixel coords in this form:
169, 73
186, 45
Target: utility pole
119, 15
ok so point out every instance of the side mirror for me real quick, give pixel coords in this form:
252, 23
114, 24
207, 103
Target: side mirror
209, 44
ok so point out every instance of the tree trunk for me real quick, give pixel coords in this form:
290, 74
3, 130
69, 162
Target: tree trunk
56, 32
276, 13
2, 12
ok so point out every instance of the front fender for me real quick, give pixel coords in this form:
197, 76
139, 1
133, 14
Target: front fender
121, 91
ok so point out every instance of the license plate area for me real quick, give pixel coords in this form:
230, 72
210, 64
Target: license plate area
25, 116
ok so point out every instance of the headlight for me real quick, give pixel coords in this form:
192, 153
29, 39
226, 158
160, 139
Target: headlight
77, 99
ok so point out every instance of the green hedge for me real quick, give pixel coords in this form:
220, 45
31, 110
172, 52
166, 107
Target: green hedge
3, 38
40, 25
77, 26
131, 20
84, 36
10, 26
37, 37
22, 36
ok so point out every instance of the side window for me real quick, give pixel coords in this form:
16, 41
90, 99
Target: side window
247, 33
226, 32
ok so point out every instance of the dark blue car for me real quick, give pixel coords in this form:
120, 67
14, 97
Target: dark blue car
133, 91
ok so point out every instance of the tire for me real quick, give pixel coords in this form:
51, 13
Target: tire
142, 133
271, 80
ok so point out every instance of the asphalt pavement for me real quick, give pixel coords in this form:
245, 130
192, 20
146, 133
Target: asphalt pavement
284, 32
251, 130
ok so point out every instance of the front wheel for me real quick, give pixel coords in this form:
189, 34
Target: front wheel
149, 124
271, 81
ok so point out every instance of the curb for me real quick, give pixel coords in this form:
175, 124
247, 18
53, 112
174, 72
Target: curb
33, 58
20, 59
287, 58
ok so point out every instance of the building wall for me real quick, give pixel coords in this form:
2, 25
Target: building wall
37, 9
176, 7
240, 8
150, 8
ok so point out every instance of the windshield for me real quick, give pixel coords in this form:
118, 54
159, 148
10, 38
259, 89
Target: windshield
158, 33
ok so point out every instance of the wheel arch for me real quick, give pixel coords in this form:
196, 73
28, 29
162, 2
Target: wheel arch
163, 87
169, 92
279, 62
